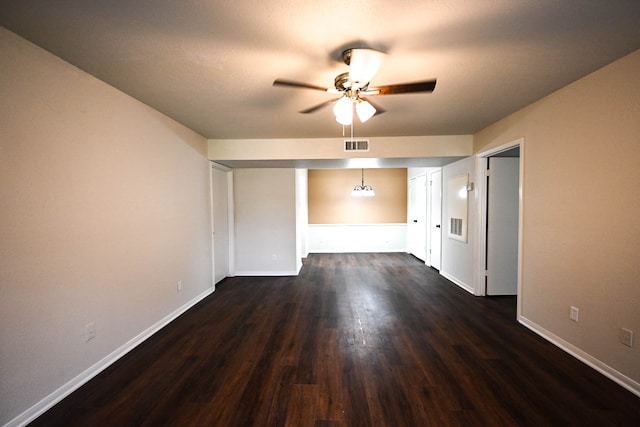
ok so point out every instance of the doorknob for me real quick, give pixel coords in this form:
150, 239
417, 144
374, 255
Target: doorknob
437, 225
415, 220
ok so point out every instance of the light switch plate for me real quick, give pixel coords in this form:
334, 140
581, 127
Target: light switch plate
626, 337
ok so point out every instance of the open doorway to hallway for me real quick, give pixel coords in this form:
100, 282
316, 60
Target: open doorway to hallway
500, 221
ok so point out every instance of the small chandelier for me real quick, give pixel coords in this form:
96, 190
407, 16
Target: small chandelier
362, 190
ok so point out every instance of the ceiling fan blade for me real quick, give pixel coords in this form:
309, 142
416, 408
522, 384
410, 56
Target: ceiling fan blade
291, 83
319, 106
424, 86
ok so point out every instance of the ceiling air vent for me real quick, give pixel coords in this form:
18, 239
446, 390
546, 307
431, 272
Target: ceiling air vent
356, 145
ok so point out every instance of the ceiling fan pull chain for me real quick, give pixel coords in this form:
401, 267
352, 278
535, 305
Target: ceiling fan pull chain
352, 122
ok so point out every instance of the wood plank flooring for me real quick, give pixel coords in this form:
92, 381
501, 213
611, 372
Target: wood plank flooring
354, 340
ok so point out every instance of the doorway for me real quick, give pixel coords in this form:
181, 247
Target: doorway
501, 227
499, 191
220, 216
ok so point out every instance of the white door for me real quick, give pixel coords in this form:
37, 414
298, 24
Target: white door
417, 228
502, 225
220, 212
435, 222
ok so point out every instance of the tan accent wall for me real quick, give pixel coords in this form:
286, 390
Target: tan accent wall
330, 200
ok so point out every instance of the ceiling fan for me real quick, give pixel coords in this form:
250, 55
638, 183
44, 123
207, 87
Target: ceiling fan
353, 87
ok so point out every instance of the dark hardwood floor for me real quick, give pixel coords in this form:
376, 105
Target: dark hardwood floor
354, 340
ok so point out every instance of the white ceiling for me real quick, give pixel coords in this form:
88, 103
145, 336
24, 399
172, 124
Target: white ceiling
210, 64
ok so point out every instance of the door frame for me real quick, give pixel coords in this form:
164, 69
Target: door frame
424, 215
429, 237
481, 203
229, 226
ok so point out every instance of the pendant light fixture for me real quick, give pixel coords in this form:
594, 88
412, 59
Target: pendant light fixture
362, 190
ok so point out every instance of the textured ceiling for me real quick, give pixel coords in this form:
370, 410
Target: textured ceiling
210, 64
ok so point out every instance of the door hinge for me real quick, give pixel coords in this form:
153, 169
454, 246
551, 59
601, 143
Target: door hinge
486, 273
488, 172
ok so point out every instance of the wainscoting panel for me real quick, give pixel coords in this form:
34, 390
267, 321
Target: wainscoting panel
338, 238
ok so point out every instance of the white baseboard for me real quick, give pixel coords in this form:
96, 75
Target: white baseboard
359, 251
265, 273
457, 282
48, 402
598, 365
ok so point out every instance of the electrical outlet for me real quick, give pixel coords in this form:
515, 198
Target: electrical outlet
274, 257
574, 314
90, 331
626, 337
179, 286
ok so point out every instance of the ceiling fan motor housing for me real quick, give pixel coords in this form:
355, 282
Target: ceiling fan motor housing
342, 82
346, 56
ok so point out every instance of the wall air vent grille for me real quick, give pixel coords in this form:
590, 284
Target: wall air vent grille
356, 145
456, 226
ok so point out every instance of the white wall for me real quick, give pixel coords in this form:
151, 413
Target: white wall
302, 216
265, 222
581, 237
453, 146
458, 256
105, 207
415, 172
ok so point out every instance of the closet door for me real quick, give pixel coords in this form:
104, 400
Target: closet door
435, 219
417, 221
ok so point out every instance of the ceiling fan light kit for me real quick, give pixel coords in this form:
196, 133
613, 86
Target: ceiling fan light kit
343, 110
365, 110
363, 64
353, 86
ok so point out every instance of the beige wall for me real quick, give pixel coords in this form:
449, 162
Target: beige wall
330, 200
581, 209
265, 221
105, 207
